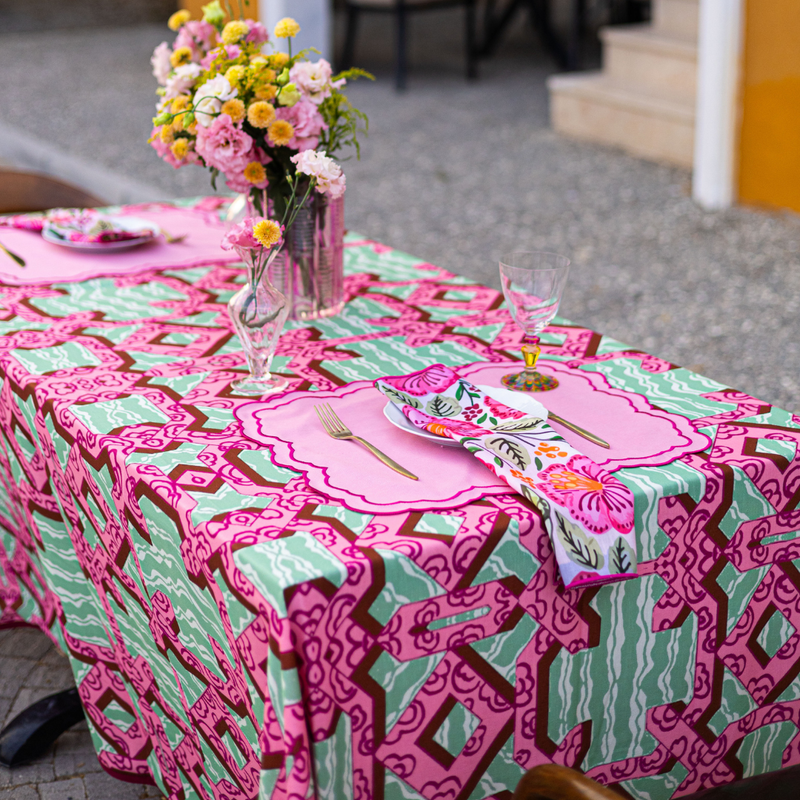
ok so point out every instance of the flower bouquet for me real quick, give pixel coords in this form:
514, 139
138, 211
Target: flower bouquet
267, 122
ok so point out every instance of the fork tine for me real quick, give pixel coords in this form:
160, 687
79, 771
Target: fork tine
337, 423
322, 420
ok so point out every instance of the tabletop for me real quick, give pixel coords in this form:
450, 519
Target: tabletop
245, 621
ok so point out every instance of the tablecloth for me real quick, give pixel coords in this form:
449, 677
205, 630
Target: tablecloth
237, 633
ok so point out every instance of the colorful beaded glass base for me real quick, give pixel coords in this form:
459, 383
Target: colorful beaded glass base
529, 382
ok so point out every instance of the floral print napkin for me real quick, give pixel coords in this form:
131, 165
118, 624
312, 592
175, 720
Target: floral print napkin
588, 513
76, 225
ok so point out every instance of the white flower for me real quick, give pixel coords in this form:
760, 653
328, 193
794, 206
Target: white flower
182, 80
313, 79
329, 175
209, 97
161, 63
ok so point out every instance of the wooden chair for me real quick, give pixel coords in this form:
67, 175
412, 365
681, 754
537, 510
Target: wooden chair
552, 782
401, 9
30, 191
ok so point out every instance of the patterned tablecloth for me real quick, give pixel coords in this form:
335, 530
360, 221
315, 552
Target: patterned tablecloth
237, 632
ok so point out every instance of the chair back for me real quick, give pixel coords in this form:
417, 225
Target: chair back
553, 782
29, 191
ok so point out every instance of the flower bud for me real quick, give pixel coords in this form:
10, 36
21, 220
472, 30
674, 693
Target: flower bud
289, 95
283, 78
163, 118
214, 14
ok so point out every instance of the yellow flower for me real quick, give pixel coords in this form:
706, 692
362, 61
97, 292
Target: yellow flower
267, 232
234, 109
255, 172
286, 28
234, 31
183, 55
178, 19
167, 136
180, 147
266, 92
280, 132
235, 74
278, 60
261, 114
180, 103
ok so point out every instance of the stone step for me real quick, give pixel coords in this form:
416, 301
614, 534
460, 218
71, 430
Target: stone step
643, 57
592, 107
677, 17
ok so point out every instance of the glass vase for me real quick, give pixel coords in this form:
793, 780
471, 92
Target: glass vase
258, 312
310, 269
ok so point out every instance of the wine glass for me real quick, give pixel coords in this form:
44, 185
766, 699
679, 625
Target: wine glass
532, 284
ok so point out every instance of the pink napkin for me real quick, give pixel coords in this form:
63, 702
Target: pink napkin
47, 262
588, 512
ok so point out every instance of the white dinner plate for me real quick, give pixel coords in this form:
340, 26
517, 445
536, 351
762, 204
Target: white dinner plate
505, 396
148, 230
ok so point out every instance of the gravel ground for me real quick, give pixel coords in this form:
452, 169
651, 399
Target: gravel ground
455, 173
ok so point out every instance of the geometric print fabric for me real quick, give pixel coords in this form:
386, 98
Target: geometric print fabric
236, 634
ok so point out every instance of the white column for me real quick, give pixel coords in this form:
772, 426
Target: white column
716, 125
314, 18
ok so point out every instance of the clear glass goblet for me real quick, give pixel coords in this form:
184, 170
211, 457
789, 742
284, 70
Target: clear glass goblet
533, 283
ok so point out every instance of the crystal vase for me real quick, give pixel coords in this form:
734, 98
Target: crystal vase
258, 312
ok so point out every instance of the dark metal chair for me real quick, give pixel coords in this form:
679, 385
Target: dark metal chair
401, 9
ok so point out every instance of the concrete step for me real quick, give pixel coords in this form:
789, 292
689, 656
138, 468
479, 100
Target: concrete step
643, 57
677, 17
592, 107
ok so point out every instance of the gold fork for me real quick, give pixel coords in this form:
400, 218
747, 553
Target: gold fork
172, 239
335, 428
14, 256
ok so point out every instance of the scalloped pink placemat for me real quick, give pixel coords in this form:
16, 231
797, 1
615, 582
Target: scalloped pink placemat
450, 477
52, 263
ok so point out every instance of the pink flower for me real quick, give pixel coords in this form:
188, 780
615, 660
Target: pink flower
161, 63
198, 35
313, 79
431, 379
442, 426
595, 498
307, 122
329, 175
241, 235
503, 412
182, 80
258, 33
224, 146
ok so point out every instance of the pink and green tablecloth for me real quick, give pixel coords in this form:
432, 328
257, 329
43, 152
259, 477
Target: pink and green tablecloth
252, 620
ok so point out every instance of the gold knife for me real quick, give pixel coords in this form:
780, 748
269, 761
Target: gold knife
577, 429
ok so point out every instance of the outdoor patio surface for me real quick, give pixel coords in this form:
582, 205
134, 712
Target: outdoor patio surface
455, 173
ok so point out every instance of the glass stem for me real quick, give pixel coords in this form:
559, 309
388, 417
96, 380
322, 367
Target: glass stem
530, 352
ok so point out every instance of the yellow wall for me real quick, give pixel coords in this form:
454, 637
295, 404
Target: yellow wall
195, 7
769, 145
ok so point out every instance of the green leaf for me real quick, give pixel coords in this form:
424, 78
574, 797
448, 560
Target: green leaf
498, 461
510, 451
622, 559
493, 420
581, 548
481, 419
459, 392
538, 462
519, 425
443, 406
401, 397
